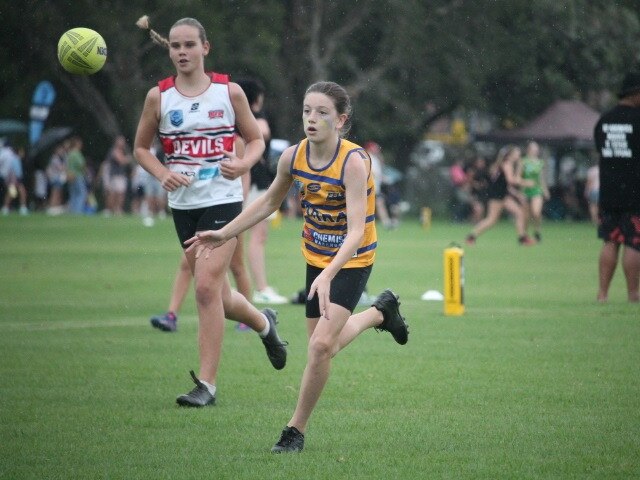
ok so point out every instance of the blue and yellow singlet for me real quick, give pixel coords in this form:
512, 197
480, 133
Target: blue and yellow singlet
324, 206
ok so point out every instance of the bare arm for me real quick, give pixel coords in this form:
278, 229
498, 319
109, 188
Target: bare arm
147, 130
513, 175
259, 209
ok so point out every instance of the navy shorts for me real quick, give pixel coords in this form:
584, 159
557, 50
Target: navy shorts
346, 288
620, 228
188, 222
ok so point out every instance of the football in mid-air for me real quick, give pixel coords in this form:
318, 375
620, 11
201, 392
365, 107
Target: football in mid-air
82, 51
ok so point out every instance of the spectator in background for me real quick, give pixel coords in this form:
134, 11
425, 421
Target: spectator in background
617, 138
461, 201
57, 178
503, 194
12, 173
377, 163
478, 175
155, 197
591, 192
76, 176
533, 169
114, 176
261, 177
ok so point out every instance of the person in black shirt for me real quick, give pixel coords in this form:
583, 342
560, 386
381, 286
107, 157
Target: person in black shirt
617, 138
261, 178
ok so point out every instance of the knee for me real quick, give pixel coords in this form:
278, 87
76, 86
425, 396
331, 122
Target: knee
320, 348
204, 294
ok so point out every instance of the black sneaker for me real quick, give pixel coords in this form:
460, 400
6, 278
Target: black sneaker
275, 347
538, 237
291, 440
200, 396
387, 302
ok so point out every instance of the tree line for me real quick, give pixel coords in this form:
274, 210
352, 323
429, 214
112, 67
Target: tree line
405, 63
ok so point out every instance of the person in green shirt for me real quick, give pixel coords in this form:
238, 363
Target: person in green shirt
533, 169
76, 171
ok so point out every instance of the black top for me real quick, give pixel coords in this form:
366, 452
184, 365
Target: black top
497, 188
617, 137
261, 176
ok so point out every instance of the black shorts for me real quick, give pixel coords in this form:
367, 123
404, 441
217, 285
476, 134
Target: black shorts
621, 228
346, 288
188, 222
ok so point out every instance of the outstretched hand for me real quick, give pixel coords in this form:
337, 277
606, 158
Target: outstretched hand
207, 241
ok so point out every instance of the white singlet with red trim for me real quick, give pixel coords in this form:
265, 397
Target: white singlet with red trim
194, 131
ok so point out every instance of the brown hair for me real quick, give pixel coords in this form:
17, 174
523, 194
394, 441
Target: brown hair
503, 154
143, 23
340, 98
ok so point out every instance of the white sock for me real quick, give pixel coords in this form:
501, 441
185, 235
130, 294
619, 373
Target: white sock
211, 388
266, 330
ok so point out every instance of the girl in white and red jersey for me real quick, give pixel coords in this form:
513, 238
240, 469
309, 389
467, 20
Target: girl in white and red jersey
339, 240
195, 114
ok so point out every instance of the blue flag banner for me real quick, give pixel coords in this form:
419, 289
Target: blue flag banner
43, 98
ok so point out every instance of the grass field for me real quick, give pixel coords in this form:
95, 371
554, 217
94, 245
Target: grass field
535, 380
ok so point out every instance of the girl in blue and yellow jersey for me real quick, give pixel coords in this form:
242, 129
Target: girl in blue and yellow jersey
337, 195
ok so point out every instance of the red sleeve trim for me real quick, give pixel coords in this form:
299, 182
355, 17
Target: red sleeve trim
219, 77
167, 83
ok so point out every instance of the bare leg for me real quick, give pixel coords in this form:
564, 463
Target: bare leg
494, 209
323, 345
607, 267
257, 240
358, 323
536, 212
210, 276
239, 270
518, 214
180, 285
631, 267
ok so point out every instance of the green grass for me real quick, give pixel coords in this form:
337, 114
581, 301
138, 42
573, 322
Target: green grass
535, 380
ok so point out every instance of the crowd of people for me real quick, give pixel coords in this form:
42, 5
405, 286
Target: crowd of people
513, 182
70, 183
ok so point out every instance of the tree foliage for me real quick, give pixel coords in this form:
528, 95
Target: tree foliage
405, 62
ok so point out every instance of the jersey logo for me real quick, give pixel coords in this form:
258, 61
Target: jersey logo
313, 187
216, 113
175, 116
195, 107
208, 173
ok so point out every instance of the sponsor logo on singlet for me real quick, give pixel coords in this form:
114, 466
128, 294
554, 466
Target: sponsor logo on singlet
208, 173
176, 118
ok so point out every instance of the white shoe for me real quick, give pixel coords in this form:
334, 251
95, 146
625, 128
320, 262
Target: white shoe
269, 296
24, 211
148, 221
5, 211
